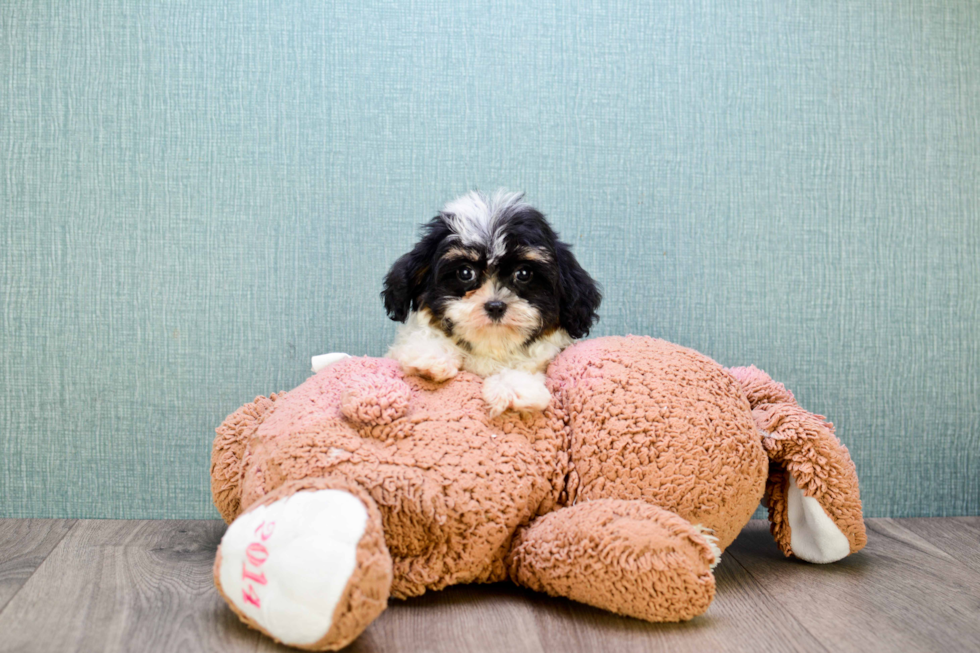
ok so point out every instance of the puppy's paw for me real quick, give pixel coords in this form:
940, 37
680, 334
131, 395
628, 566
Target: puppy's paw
531, 393
498, 394
439, 368
432, 362
515, 390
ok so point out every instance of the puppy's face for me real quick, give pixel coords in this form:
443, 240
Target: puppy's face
493, 304
492, 275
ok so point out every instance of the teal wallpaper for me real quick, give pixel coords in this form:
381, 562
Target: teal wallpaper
197, 197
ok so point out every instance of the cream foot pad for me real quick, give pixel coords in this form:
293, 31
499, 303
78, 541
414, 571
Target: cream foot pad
814, 536
286, 565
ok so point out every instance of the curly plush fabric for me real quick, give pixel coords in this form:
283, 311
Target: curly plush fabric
621, 494
228, 456
652, 421
629, 557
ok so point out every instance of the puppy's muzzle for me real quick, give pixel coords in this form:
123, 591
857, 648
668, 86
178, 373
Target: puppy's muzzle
495, 309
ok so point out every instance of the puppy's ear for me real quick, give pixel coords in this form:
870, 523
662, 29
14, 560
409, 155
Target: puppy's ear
401, 285
580, 294
410, 274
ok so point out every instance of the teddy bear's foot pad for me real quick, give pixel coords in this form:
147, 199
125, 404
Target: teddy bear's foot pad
286, 565
814, 536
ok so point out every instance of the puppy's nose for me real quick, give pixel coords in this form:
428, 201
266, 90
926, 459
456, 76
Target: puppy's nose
495, 309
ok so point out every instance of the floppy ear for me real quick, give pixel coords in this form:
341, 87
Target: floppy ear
580, 294
409, 276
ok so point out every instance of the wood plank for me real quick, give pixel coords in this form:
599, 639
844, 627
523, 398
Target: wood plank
472, 618
24, 544
127, 586
743, 617
957, 536
901, 593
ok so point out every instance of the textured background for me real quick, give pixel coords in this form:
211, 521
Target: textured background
196, 200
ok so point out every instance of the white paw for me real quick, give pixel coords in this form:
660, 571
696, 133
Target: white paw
425, 351
813, 535
517, 390
286, 565
427, 359
437, 368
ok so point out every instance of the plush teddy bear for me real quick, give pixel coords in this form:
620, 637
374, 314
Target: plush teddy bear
364, 484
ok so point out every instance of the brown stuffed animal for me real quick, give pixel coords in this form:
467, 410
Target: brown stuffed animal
363, 484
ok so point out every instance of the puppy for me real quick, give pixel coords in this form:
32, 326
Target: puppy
489, 289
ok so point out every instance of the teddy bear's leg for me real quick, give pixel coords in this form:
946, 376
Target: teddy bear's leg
307, 564
629, 557
812, 490
228, 453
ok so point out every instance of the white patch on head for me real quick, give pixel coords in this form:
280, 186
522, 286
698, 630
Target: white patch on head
813, 535
286, 565
479, 220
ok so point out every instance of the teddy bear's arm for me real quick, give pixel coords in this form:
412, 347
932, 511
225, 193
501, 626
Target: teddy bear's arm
629, 557
812, 490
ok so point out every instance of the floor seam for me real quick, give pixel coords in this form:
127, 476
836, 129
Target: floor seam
953, 558
74, 523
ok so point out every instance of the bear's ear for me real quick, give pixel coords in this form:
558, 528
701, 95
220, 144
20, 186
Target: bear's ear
580, 294
409, 276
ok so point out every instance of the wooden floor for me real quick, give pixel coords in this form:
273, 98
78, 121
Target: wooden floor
146, 586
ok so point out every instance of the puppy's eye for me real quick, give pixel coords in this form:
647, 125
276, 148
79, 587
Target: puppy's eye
523, 275
465, 274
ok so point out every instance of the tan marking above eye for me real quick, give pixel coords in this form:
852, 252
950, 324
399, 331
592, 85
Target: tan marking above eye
534, 254
460, 252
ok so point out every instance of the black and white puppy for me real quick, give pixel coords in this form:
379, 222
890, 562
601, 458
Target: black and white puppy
489, 289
